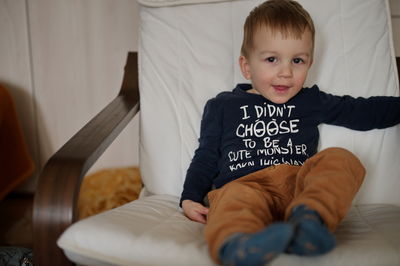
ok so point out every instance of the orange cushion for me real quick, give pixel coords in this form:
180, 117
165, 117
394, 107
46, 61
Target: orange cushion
16, 165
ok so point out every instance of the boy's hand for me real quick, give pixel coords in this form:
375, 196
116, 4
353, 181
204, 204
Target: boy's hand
195, 211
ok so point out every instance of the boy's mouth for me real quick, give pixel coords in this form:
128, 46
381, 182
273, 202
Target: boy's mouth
281, 88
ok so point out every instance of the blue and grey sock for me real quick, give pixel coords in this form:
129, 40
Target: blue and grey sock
259, 248
311, 236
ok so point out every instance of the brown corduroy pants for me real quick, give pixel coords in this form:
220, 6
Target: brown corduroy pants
326, 183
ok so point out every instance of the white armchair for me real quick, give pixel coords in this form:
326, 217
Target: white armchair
188, 53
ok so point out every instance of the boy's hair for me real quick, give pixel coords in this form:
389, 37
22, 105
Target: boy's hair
285, 16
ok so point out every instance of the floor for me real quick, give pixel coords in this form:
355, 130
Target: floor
16, 220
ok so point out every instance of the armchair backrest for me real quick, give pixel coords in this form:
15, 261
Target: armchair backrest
189, 53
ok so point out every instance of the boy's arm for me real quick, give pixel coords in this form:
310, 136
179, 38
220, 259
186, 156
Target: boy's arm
204, 166
359, 113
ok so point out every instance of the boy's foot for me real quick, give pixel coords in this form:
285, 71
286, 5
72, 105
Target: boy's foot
258, 248
311, 236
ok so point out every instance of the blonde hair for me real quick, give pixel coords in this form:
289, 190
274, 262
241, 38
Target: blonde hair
285, 16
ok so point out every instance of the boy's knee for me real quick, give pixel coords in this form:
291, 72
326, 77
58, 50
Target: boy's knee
338, 151
338, 154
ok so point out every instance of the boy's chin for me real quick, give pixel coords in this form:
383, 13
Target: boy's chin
278, 100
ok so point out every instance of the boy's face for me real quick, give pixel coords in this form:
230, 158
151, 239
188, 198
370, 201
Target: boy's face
277, 66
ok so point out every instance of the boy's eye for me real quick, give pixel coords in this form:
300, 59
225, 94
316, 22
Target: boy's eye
298, 60
271, 59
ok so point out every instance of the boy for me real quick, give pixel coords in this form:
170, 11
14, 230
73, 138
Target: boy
258, 147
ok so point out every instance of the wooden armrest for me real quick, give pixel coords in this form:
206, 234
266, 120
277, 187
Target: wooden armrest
55, 203
398, 65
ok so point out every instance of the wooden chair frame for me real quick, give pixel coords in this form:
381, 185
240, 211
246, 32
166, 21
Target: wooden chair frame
55, 204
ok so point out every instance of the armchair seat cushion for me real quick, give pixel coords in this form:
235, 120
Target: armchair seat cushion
153, 231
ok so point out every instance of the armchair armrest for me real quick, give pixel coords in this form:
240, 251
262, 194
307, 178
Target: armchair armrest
58, 186
398, 65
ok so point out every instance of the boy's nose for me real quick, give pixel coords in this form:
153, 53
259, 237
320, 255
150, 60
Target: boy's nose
285, 71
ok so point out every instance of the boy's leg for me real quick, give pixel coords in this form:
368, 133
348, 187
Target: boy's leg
326, 185
247, 205
311, 236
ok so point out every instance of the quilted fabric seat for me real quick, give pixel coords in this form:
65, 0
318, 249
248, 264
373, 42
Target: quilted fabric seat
369, 235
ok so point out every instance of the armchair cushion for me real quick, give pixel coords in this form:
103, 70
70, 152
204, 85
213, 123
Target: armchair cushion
153, 231
151, 226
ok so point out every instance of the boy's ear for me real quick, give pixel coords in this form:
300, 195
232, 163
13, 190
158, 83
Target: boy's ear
244, 67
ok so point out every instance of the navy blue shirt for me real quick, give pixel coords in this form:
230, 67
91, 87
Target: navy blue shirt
243, 132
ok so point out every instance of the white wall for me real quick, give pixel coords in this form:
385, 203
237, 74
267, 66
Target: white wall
63, 62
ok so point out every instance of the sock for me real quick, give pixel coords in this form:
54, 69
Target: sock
311, 236
258, 248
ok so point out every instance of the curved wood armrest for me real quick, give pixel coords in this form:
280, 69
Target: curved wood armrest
398, 65
58, 186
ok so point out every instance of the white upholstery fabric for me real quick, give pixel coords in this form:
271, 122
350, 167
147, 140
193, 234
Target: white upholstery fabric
188, 54
152, 231
152, 225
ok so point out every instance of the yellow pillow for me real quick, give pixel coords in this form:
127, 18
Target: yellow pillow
107, 189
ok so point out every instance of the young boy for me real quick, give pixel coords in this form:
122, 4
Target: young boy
258, 147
